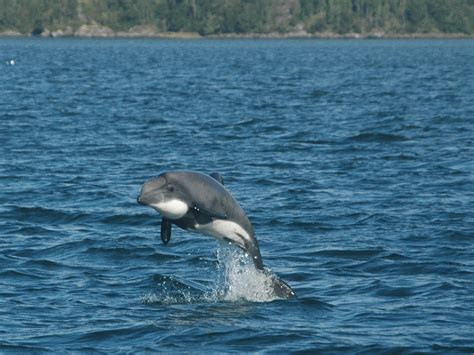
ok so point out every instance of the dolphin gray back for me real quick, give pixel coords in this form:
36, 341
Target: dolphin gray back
207, 194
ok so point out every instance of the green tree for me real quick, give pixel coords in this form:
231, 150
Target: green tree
242, 16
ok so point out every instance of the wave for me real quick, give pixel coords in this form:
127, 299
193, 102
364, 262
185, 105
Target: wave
129, 219
39, 216
377, 137
43, 214
351, 254
16, 348
18, 275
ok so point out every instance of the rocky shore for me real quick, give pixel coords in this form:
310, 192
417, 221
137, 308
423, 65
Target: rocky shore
94, 30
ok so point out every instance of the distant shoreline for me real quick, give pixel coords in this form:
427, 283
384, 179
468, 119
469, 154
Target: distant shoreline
97, 31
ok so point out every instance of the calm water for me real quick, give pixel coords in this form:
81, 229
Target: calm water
353, 159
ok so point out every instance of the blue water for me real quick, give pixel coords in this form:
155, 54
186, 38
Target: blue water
354, 160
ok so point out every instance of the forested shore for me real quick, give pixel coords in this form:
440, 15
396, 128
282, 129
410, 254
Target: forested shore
238, 18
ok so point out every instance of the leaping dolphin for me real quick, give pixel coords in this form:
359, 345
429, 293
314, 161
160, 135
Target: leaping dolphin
197, 202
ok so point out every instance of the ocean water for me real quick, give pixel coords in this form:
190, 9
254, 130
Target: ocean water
354, 160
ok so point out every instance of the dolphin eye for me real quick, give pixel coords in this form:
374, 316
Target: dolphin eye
170, 188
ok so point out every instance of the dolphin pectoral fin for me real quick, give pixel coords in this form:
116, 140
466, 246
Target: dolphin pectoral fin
218, 177
165, 230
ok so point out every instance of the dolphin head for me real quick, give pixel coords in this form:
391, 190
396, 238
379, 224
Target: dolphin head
164, 196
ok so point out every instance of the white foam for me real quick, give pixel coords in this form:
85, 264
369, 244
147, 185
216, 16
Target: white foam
238, 278
184, 297
175, 294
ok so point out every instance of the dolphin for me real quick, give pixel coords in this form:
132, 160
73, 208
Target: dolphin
198, 202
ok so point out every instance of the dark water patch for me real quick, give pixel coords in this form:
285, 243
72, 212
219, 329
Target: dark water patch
34, 230
19, 275
401, 157
411, 268
124, 253
314, 225
453, 286
116, 332
318, 93
396, 292
448, 349
352, 254
61, 249
456, 235
354, 219
377, 137
45, 215
395, 257
130, 220
312, 303
249, 341
316, 347
43, 264
11, 347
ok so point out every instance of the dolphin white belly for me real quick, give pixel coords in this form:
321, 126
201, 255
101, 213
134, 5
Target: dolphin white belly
172, 209
224, 230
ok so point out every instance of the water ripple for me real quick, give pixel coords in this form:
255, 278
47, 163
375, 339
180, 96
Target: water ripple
353, 160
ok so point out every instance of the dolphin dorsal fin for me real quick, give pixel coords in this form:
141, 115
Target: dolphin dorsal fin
218, 177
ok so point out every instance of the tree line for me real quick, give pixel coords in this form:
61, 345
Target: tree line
243, 16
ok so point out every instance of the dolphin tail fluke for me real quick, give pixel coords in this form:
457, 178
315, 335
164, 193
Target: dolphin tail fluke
280, 287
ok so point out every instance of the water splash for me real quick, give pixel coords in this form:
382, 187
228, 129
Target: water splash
236, 280
239, 280
173, 291
176, 297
